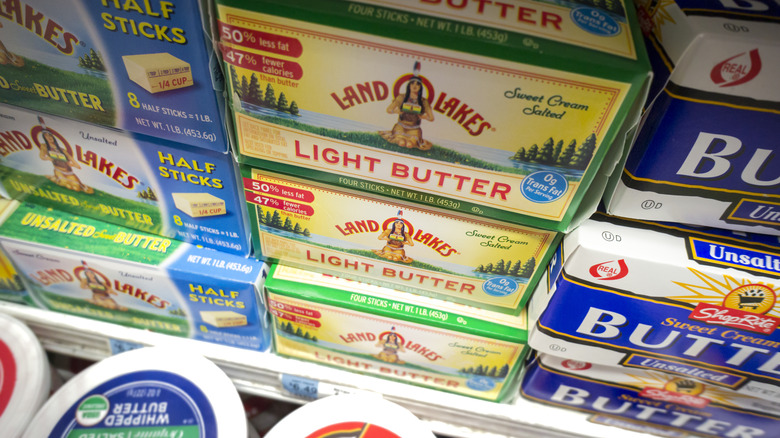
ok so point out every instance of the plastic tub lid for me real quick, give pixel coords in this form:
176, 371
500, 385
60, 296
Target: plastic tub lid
25, 377
152, 391
362, 415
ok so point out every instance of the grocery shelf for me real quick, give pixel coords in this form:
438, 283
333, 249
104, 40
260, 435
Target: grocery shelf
260, 373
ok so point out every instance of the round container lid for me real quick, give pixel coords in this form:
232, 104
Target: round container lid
363, 415
152, 391
25, 377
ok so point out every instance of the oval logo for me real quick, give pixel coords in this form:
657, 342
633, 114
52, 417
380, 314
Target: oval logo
595, 21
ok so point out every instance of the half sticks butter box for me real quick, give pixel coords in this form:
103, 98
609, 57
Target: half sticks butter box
85, 267
648, 401
390, 334
515, 111
706, 153
149, 184
143, 66
404, 246
665, 297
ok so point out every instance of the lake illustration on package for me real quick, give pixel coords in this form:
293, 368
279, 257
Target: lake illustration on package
139, 66
500, 138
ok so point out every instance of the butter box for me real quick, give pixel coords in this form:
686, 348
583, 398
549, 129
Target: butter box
706, 151
649, 402
147, 67
145, 183
515, 111
624, 292
11, 287
399, 245
81, 266
385, 333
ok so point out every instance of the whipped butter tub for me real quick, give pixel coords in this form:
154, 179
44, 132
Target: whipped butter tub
484, 263
647, 401
148, 392
394, 335
97, 270
25, 376
516, 110
148, 67
700, 302
149, 184
706, 152
359, 415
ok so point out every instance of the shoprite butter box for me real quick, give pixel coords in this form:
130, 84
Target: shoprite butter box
145, 183
514, 111
147, 67
706, 153
85, 267
390, 334
400, 245
648, 401
630, 293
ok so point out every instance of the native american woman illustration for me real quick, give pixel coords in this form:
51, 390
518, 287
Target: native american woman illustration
63, 162
100, 287
391, 343
8, 58
396, 237
412, 108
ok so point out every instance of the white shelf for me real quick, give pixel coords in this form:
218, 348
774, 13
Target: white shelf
260, 374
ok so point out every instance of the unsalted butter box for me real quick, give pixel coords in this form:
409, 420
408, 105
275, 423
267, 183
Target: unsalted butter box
648, 401
81, 266
623, 292
400, 245
513, 111
389, 334
145, 183
147, 67
706, 153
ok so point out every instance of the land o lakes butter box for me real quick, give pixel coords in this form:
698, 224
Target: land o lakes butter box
516, 111
146, 66
648, 401
81, 266
701, 303
149, 184
399, 245
706, 153
385, 333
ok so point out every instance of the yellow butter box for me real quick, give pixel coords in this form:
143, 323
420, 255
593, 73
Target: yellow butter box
425, 250
384, 333
156, 72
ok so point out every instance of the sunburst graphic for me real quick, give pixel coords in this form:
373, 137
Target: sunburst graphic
716, 289
659, 11
661, 380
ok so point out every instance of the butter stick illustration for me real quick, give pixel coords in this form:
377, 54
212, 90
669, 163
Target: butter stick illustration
199, 204
156, 72
224, 318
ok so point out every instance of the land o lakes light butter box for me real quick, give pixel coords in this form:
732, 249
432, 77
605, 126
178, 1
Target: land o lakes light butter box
648, 401
143, 66
515, 111
400, 245
149, 184
81, 266
700, 303
706, 153
385, 333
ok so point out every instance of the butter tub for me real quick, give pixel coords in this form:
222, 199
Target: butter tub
706, 151
147, 67
648, 402
515, 111
400, 245
624, 292
81, 266
385, 333
145, 183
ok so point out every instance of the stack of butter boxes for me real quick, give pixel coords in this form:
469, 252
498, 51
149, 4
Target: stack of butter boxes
672, 328
440, 149
113, 111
